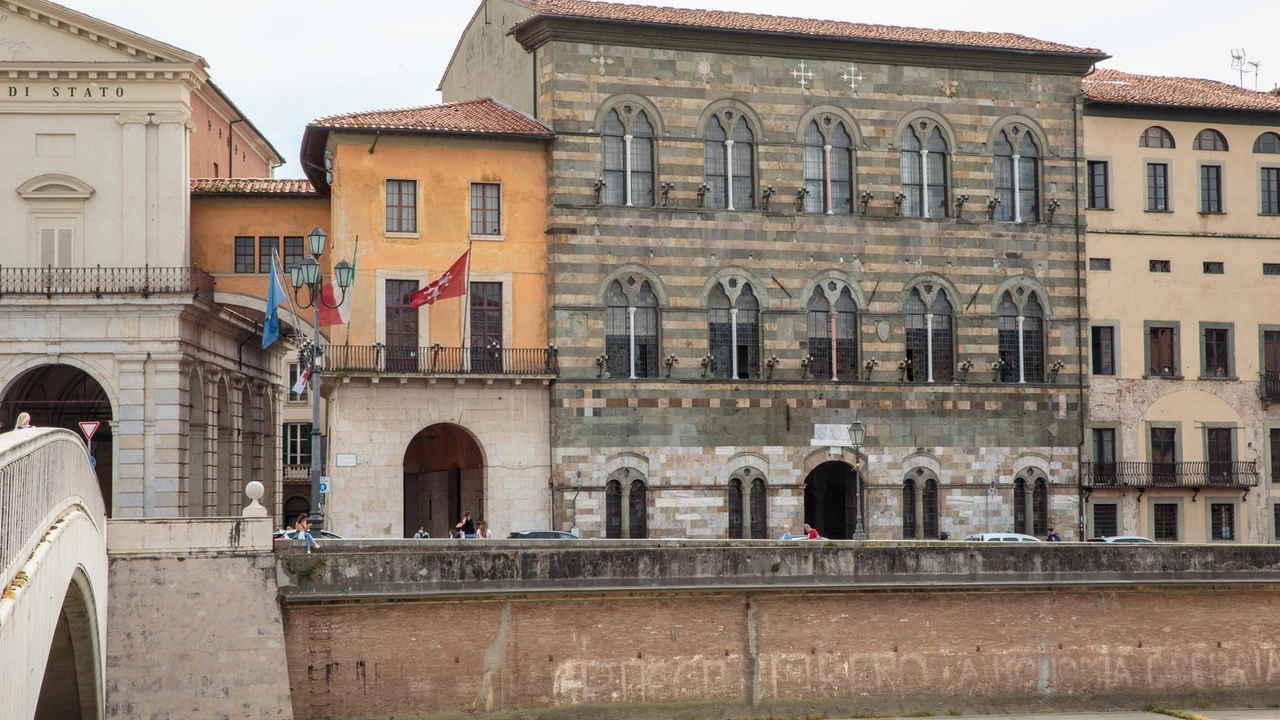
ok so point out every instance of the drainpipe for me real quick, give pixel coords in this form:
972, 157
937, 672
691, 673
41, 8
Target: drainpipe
1080, 335
231, 148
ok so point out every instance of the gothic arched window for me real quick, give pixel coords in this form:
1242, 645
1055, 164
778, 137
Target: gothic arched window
746, 338
733, 331
924, 171
1021, 339
759, 510
627, 162
720, 332
1040, 508
637, 510
631, 330
833, 334
735, 509
909, 509
1017, 175
828, 168
917, 339
1020, 505
613, 509
729, 159
929, 509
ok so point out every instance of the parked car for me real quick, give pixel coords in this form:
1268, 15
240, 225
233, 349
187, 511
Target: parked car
279, 534
1123, 539
541, 535
1002, 537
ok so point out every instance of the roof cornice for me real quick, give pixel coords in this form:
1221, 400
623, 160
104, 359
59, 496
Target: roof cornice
542, 29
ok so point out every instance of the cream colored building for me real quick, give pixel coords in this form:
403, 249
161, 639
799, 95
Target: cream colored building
1184, 304
102, 315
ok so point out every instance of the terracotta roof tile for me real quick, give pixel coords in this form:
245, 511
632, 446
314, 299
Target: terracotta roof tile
481, 116
1113, 86
751, 22
251, 186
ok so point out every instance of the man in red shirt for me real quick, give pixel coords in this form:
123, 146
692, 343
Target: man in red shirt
810, 533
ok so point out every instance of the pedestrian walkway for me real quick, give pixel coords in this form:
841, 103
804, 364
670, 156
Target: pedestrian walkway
1241, 714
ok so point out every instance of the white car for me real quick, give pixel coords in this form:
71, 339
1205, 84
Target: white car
1001, 537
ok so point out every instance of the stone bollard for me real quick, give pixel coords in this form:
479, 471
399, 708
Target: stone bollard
254, 509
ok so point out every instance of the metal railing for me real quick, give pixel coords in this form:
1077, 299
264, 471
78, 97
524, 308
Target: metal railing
440, 360
1230, 474
1269, 387
41, 472
98, 281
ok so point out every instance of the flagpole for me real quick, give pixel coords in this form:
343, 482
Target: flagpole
354, 253
278, 264
466, 308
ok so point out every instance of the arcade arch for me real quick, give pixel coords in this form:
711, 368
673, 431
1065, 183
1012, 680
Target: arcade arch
443, 477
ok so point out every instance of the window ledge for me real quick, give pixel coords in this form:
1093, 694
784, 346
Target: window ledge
402, 234
1149, 376
1107, 209
1212, 212
1228, 378
1157, 211
486, 238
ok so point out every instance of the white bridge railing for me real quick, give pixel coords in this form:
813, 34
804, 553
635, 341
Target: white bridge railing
43, 471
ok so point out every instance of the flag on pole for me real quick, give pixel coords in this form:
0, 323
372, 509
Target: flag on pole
453, 283
275, 298
340, 315
300, 386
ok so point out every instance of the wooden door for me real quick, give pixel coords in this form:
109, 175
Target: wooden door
486, 327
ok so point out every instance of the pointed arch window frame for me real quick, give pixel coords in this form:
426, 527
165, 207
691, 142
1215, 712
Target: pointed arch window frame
731, 317
1021, 170
937, 327
634, 147
1028, 342
921, 166
829, 157
833, 331
648, 307
727, 162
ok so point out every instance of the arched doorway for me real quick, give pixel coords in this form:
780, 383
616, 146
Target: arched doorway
443, 477
64, 396
197, 447
833, 501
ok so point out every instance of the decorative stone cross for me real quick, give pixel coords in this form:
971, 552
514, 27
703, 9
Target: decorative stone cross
949, 87
801, 75
853, 78
602, 60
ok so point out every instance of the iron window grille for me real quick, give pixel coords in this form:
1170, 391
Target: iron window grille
402, 206
244, 254
617, 332
628, 158
924, 172
1157, 187
1223, 518
734, 333
1099, 189
1210, 188
1271, 268
1105, 520
1159, 266
735, 509
828, 169
637, 510
1017, 176
1214, 268
1165, 522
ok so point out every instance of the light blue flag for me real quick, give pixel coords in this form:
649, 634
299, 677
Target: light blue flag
275, 298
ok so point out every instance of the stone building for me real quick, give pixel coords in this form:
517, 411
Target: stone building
1183, 210
762, 228
103, 317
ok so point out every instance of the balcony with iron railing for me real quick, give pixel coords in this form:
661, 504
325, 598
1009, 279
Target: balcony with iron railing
1146, 475
98, 281
1269, 386
440, 361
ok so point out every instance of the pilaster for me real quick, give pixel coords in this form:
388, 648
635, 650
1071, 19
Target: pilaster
129, 430
172, 245
133, 191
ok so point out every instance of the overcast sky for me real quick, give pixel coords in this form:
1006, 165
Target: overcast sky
286, 62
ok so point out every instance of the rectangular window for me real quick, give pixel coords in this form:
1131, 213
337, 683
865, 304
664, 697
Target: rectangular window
1104, 456
1161, 352
1102, 264
402, 206
1099, 196
297, 443
1210, 188
1160, 266
302, 397
486, 327
1104, 350
486, 209
1216, 356
1164, 455
1157, 187
1223, 517
1165, 522
1105, 520
1275, 519
1220, 452
1271, 268
1273, 437
1271, 191
244, 254
266, 246
1214, 268
293, 254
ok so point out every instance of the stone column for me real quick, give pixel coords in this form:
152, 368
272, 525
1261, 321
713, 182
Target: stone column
271, 496
1029, 507
239, 435
919, 490
133, 211
174, 193
168, 464
212, 375
129, 483
273, 442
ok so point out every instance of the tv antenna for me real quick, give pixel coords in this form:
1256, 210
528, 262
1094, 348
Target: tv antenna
1242, 64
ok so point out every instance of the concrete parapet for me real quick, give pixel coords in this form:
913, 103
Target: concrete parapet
437, 568
187, 536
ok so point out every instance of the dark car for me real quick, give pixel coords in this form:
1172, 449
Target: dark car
280, 534
541, 535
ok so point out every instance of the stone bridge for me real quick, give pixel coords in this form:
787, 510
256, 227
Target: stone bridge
53, 609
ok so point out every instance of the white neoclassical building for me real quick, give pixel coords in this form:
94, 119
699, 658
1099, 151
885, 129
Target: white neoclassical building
102, 315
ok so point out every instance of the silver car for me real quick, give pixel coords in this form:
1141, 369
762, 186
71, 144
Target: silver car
1001, 537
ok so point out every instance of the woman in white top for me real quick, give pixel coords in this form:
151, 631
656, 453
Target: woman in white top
483, 532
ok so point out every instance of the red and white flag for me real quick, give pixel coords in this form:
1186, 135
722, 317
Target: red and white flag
301, 386
340, 315
453, 283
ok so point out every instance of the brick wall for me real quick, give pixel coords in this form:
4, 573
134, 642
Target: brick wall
838, 652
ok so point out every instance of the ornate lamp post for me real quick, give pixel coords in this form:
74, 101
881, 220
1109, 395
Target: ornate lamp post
857, 434
307, 273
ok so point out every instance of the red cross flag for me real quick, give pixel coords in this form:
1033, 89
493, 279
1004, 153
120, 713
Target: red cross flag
453, 283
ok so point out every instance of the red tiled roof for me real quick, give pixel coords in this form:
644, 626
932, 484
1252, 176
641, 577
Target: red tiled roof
1113, 86
751, 22
482, 116
251, 186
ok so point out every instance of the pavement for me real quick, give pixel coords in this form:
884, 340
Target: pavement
1240, 714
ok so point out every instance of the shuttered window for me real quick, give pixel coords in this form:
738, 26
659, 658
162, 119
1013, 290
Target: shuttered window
56, 247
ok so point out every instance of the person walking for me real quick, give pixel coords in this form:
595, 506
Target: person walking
786, 533
466, 528
422, 533
302, 531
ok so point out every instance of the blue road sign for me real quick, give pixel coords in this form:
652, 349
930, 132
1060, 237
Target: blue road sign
93, 463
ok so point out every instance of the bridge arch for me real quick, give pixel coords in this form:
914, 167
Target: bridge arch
444, 476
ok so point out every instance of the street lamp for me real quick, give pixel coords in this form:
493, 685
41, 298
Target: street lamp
307, 273
857, 434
